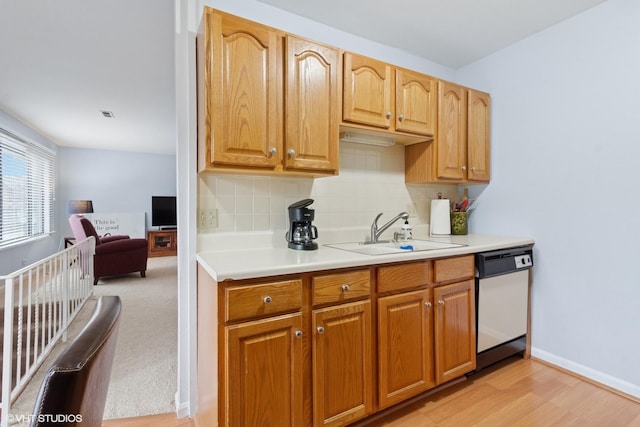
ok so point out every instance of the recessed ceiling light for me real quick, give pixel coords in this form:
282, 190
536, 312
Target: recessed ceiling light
108, 114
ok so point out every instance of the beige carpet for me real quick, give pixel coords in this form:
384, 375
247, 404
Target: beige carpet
144, 376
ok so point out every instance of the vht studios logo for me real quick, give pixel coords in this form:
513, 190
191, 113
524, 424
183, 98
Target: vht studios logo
46, 418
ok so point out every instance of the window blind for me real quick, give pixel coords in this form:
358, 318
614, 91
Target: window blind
27, 189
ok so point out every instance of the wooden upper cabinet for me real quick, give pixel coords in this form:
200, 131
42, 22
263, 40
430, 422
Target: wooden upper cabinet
242, 101
416, 102
367, 97
478, 136
268, 102
312, 106
460, 151
451, 147
379, 95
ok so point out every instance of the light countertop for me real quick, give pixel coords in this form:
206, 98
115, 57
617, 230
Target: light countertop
234, 263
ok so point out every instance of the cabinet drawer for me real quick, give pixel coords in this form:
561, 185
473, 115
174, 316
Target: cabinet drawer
341, 287
404, 276
449, 269
244, 302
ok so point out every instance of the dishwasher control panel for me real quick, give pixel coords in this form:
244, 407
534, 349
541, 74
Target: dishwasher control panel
523, 261
503, 261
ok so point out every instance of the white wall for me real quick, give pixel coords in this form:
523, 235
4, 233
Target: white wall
116, 181
15, 257
294, 24
565, 150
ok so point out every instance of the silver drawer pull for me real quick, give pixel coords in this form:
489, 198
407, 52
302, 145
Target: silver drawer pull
345, 288
298, 334
441, 302
428, 304
267, 299
320, 330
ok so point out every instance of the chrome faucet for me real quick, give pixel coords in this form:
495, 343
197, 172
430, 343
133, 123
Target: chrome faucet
377, 231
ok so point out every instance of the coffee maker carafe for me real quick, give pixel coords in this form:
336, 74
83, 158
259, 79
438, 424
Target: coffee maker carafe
301, 232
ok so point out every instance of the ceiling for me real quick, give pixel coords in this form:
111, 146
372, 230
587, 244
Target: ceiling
64, 61
449, 32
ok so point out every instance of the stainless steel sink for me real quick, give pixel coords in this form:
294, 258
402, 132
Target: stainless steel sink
385, 248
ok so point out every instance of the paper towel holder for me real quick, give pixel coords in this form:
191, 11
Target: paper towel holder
440, 223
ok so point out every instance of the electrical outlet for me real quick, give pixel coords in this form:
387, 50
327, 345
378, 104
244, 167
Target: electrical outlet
207, 218
212, 218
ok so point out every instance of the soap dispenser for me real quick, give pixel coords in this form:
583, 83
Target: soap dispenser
406, 231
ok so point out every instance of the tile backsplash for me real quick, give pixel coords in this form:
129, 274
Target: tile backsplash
371, 181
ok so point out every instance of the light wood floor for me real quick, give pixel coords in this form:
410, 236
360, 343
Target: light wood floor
514, 393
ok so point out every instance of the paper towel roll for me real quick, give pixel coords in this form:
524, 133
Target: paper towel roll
440, 221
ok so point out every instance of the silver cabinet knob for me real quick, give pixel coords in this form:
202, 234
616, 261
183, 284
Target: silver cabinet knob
464, 168
272, 151
345, 288
320, 330
388, 115
441, 302
473, 168
292, 153
298, 334
428, 304
401, 117
267, 299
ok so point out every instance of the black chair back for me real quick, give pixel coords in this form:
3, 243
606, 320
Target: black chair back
74, 390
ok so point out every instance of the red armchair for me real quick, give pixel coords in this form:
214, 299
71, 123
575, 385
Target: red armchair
115, 255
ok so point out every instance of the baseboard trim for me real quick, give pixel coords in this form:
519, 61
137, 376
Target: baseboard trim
182, 408
613, 384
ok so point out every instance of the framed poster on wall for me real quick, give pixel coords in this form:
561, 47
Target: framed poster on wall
131, 224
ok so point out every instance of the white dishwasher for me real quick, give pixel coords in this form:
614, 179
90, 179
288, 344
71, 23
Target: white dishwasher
502, 300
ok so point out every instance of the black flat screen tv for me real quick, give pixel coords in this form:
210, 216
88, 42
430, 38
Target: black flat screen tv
164, 212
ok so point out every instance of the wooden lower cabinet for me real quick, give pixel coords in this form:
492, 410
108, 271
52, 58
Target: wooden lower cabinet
263, 372
455, 330
300, 350
162, 243
405, 346
342, 364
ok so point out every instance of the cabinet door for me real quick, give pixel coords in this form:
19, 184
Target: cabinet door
312, 107
342, 370
455, 330
478, 136
416, 102
367, 91
263, 375
245, 92
405, 346
451, 148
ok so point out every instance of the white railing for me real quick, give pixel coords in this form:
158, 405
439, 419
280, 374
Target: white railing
39, 303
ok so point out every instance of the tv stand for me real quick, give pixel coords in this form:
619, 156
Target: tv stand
163, 242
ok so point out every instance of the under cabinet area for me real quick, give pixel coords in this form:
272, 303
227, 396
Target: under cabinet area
328, 348
268, 101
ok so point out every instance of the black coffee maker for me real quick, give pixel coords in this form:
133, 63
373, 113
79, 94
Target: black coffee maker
301, 233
